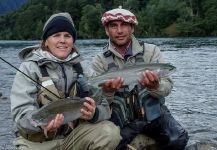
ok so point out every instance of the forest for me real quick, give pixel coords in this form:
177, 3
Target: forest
157, 18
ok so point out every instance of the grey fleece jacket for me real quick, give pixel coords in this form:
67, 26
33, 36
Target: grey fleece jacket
24, 91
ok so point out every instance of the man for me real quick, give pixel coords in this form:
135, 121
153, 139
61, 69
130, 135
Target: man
152, 118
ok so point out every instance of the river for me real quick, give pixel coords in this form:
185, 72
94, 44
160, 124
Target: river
193, 101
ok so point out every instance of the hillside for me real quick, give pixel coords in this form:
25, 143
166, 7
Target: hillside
10, 5
157, 18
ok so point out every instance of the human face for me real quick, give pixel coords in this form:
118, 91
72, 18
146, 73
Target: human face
60, 44
119, 33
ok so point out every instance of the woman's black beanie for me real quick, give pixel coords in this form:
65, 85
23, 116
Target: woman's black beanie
61, 22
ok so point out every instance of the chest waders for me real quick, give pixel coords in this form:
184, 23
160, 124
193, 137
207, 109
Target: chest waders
136, 104
78, 88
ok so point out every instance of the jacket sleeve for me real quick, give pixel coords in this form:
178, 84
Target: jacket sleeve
153, 54
98, 65
102, 110
101, 98
23, 99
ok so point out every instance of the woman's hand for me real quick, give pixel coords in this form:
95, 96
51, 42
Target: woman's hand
88, 110
112, 85
54, 124
149, 80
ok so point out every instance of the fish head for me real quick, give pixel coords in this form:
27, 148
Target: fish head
37, 120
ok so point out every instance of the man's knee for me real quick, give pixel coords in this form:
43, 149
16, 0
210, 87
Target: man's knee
179, 143
108, 136
110, 130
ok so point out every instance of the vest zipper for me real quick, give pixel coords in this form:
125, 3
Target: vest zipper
66, 93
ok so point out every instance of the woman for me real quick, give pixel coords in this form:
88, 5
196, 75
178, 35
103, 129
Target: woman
56, 66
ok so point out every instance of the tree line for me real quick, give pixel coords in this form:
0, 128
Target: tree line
157, 18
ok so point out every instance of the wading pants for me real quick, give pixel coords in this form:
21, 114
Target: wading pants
86, 136
165, 130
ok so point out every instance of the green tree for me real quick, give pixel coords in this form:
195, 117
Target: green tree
90, 24
210, 11
156, 17
132, 5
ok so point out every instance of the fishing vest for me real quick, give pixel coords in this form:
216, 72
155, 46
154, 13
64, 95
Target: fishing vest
78, 88
109, 56
136, 104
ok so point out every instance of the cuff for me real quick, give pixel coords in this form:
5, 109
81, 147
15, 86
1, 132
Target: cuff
95, 117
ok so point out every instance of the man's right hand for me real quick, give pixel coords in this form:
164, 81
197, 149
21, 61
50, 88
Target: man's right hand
112, 85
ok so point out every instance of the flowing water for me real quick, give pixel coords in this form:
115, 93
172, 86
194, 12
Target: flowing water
193, 101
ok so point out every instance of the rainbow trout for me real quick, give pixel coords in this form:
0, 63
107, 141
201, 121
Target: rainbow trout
69, 107
132, 73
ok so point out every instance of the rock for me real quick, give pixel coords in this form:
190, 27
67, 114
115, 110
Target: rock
142, 142
202, 146
2, 97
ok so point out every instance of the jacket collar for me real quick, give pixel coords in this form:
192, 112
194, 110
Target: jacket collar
35, 53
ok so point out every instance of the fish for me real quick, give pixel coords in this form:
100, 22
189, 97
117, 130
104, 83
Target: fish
132, 73
69, 107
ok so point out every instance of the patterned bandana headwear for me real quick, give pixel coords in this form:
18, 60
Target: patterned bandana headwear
119, 14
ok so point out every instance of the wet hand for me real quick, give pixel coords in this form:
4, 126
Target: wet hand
88, 109
112, 85
150, 80
54, 124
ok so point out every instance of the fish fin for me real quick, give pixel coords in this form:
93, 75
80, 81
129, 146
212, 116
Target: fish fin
130, 147
33, 123
45, 132
71, 125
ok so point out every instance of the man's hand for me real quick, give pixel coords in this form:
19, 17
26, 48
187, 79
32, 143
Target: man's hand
149, 80
112, 85
88, 109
